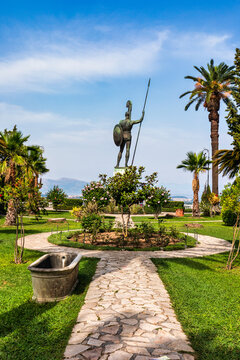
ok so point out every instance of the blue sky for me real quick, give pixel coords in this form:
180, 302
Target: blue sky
67, 69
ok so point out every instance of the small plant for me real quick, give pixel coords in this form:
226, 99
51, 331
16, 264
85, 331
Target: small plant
174, 232
135, 234
92, 223
162, 230
107, 225
77, 212
147, 230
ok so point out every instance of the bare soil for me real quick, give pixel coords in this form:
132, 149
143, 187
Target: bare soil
115, 239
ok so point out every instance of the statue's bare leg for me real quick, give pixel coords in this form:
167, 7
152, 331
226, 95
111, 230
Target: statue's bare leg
128, 145
120, 153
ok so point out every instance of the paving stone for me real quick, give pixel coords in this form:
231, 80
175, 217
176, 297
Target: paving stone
112, 348
94, 342
130, 321
93, 354
180, 345
73, 350
120, 355
137, 350
109, 337
188, 357
110, 329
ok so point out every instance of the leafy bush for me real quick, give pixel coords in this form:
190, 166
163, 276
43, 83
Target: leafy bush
77, 212
96, 192
56, 196
137, 209
229, 217
205, 205
146, 229
157, 199
92, 223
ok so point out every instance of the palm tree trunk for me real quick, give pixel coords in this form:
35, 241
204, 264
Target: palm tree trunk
11, 214
213, 108
195, 187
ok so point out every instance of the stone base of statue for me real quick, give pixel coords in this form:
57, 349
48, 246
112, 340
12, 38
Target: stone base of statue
119, 170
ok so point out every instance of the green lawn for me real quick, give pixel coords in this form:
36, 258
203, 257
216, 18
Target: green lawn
205, 297
30, 331
210, 226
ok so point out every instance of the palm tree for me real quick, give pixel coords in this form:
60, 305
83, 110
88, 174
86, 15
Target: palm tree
36, 163
195, 163
229, 160
12, 151
215, 84
35, 166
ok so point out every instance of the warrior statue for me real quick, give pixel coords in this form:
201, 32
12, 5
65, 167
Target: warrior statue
122, 133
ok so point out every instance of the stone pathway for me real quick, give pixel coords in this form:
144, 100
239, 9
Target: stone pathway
127, 313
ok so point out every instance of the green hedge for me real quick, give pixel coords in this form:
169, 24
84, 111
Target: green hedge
70, 203
171, 206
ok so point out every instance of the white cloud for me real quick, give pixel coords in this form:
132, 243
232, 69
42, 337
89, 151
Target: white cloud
196, 45
49, 65
78, 62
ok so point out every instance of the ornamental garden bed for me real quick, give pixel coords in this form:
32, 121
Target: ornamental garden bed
114, 240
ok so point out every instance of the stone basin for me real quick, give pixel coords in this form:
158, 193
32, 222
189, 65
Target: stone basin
54, 276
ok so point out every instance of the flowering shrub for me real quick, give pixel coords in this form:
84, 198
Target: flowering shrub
56, 196
96, 192
158, 198
77, 212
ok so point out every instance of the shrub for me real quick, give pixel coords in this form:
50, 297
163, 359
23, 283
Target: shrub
205, 205
92, 223
146, 229
96, 192
157, 199
229, 217
77, 212
56, 196
137, 209
69, 204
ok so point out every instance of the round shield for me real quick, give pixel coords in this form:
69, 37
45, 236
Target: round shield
118, 135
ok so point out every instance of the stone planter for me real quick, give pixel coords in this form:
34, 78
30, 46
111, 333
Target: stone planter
179, 212
54, 276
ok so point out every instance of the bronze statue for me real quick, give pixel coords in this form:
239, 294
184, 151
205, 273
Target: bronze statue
122, 133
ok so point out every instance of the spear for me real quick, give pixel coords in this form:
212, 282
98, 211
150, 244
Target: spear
141, 122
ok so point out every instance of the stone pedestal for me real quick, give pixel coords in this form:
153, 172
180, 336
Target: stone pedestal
119, 170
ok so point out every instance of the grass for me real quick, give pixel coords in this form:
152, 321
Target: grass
211, 226
28, 330
205, 297
62, 240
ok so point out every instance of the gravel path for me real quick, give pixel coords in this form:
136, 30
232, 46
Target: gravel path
127, 313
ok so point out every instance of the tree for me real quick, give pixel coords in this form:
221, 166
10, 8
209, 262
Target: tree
159, 196
230, 201
229, 160
128, 189
13, 156
215, 84
18, 194
195, 163
56, 196
35, 166
97, 193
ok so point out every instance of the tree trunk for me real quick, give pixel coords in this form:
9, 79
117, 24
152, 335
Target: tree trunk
213, 108
11, 214
195, 187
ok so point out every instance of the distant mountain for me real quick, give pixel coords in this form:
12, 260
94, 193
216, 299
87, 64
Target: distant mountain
72, 187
